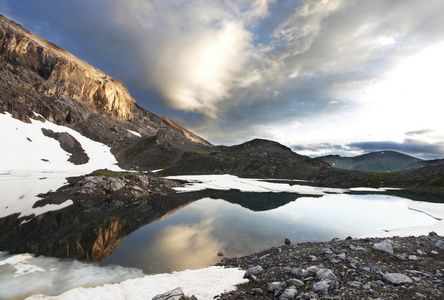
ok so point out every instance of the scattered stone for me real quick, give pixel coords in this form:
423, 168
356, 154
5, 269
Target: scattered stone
325, 274
413, 257
384, 246
397, 278
440, 244
176, 294
401, 256
287, 242
355, 284
326, 251
434, 252
298, 272
295, 282
257, 292
322, 287
363, 274
220, 253
276, 288
357, 248
252, 272
419, 252
289, 293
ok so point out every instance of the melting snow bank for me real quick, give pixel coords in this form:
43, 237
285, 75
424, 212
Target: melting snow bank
434, 210
41, 277
25, 148
227, 182
24, 275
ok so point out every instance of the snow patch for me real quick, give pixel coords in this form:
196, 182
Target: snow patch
227, 182
203, 283
25, 148
135, 133
19, 194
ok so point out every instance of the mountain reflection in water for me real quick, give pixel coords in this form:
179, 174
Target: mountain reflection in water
186, 230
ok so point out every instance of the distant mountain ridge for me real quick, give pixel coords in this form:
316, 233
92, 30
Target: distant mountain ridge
381, 161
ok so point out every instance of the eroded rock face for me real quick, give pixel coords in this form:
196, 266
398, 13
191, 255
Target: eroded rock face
47, 71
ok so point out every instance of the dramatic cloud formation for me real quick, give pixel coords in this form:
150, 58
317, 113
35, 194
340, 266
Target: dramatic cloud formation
317, 73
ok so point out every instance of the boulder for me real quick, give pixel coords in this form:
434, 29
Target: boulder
397, 278
384, 246
176, 294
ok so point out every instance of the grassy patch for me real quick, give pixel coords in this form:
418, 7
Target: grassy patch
140, 147
109, 173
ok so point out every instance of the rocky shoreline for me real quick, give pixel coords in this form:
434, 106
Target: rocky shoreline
369, 268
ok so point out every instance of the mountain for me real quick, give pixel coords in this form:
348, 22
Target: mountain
424, 163
57, 112
44, 82
382, 161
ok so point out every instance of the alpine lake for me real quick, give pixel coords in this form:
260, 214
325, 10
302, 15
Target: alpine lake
196, 229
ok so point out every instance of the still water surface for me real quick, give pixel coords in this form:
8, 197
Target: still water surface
191, 237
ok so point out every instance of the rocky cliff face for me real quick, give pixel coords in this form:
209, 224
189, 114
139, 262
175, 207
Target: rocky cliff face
50, 72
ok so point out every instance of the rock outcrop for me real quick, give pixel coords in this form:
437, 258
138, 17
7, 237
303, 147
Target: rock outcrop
43, 69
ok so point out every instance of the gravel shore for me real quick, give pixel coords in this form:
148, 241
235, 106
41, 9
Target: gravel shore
369, 268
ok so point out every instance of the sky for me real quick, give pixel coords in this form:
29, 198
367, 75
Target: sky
323, 77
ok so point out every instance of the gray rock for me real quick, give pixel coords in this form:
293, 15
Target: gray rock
357, 248
295, 282
287, 242
397, 278
322, 287
257, 292
220, 253
413, 257
176, 294
384, 246
276, 287
325, 274
355, 284
326, 251
289, 293
298, 272
440, 244
309, 296
312, 271
341, 256
256, 270
401, 256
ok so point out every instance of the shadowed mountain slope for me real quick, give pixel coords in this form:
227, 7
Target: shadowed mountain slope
381, 161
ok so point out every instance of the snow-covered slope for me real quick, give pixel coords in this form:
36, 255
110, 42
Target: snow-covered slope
25, 149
